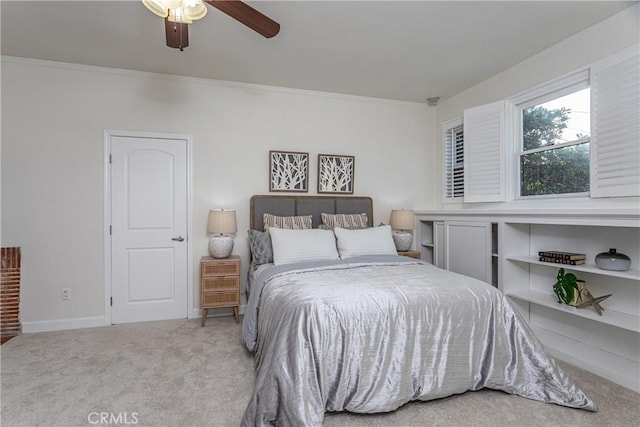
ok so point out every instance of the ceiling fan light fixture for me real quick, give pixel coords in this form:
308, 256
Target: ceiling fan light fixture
161, 7
177, 34
182, 11
194, 9
177, 15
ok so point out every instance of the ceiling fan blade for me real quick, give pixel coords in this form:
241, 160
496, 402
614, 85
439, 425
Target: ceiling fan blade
177, 34
248, 16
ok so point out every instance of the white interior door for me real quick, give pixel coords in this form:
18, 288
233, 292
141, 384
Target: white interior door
149, 248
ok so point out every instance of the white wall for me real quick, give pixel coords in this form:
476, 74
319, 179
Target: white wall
601, 40
53, 121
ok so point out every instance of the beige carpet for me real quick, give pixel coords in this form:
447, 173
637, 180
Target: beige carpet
176, 373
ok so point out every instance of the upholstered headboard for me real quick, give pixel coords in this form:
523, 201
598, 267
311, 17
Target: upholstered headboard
307, 205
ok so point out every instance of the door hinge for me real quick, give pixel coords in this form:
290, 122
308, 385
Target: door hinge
111, 301
110, 230
110, 159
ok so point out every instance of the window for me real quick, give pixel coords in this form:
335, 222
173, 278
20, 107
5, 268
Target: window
484, 161
553, 136
453, 141
615, 152
473, 155
575, 136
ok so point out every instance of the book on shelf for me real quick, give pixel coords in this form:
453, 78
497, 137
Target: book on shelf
562, 261
572, 256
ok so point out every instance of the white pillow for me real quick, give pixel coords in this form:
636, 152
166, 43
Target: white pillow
291, 246
366, 241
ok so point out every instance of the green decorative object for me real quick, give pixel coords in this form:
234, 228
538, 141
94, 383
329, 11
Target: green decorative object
566, 287
572, 291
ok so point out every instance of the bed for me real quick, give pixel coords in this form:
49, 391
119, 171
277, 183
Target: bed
368, 331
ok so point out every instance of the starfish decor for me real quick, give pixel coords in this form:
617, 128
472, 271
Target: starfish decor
590, 301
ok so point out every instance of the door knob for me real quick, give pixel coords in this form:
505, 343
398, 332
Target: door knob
178, 239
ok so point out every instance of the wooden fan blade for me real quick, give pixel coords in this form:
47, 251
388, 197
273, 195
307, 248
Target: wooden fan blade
248, 16
177, 34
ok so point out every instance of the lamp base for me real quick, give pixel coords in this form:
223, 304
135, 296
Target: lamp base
402, 240
220, 246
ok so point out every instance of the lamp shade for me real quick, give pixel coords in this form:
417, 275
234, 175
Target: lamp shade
222, 221
402, 219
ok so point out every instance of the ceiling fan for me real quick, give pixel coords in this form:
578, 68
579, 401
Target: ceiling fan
178, 14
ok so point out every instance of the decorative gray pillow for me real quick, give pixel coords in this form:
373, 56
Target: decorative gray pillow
345, 220
301, 222
261, 250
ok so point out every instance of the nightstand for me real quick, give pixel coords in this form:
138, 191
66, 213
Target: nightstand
410, 254
219, 284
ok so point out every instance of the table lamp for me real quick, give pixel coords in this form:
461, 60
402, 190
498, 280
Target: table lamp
222, 222
403, 222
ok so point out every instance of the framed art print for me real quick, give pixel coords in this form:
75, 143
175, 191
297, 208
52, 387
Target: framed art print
288, 171
335, 173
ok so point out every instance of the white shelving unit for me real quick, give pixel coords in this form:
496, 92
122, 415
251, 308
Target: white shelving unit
631, 274
424, 236
474, 245
430, 235
607, 344
610, 317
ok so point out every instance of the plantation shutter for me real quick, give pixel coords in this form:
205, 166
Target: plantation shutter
615, 125
453, 138
484, 160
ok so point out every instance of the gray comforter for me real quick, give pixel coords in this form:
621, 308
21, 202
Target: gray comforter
371, 334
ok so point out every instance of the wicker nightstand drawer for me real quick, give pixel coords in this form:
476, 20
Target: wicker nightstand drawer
223, 283
220, 268
220, 299
219, 284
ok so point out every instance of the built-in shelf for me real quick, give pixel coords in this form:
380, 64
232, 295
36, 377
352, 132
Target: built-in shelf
609, 317
464, 247
606, 344
603, 362
631, 274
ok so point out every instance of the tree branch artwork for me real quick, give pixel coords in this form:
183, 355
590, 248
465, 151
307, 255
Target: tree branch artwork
335, 173
288, 171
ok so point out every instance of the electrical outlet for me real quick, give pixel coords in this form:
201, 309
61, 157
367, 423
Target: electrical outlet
66, 293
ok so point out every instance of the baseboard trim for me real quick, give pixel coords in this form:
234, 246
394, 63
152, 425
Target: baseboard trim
93, 322
62, 324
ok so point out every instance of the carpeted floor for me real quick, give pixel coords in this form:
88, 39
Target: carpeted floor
176, 373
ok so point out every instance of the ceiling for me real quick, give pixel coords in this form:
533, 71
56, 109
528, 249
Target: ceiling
387, 49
